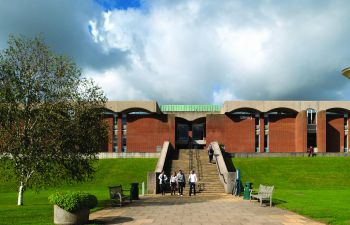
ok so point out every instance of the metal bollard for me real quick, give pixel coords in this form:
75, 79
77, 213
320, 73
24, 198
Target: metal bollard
143, 189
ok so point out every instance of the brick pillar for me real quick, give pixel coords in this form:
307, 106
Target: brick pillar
110, 133
262, 132
321, 131
120, 132
301, 132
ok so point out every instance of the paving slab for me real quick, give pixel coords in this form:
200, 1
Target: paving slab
220, 209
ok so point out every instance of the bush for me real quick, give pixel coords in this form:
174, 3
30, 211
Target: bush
73, 201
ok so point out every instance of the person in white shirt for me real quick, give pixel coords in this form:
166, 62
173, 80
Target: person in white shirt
192, 178
162, 180
173, 183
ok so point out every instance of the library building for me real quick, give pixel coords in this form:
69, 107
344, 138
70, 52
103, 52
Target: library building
239, 126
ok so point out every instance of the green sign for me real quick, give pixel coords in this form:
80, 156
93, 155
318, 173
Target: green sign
190, 108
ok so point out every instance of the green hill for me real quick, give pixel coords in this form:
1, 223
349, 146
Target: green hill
315, 187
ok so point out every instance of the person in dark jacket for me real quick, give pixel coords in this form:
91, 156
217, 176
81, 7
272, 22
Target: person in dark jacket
162, 180
180, 182
210, 153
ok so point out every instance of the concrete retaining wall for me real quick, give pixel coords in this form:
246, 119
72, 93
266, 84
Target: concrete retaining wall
226, 178
112, 155
152, 176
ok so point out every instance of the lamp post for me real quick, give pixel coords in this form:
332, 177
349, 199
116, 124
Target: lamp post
346, 72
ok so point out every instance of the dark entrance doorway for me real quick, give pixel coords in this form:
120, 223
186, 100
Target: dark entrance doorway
189, 134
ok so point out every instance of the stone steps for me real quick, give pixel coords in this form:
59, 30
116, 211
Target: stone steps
207, 173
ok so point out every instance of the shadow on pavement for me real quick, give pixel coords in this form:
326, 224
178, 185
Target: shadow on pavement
111, 219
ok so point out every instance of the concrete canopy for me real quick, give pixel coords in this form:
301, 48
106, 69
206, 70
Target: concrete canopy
265, 106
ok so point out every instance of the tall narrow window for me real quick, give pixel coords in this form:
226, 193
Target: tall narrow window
266, 143
124, 119
346, 132
115, 133
257, 132
257, 142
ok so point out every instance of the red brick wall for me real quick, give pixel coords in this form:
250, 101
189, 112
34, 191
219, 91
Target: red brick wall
321, 131
281, 133
335, 133
238, 135
108, 147
301, 132
146, 132
215, 128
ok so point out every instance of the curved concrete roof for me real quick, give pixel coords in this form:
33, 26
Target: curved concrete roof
229, 106
130, 106
265, 106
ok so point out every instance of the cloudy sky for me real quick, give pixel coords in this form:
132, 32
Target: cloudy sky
196, 51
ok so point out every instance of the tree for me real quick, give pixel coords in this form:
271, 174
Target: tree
51, 122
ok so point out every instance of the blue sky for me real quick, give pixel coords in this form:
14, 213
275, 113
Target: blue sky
196, 51
109, 5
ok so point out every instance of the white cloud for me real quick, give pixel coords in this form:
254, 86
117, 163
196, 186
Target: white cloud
181, 51
198, 51
222, 95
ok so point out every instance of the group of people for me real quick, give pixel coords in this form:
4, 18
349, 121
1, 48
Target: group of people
178, 181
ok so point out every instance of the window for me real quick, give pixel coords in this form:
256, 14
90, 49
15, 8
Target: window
257, 143
266, 143
124, 122
345, 143
311, 116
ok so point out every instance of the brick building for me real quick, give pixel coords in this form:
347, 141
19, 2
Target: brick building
241, 126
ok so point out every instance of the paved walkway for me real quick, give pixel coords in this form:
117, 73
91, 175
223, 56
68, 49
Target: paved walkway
219, 209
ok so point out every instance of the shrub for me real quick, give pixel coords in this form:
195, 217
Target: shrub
73, 201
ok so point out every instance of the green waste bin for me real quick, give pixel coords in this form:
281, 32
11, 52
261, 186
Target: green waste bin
134, 191
247, 188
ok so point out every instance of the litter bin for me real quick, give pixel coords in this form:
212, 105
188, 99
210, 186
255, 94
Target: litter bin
247, 188
134, 191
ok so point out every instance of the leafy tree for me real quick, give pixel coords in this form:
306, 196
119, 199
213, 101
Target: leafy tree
51, 122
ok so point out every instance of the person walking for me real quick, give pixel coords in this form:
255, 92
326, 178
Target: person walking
162, 180
180, 182
173, 182
192, 178
210, 153
311, 151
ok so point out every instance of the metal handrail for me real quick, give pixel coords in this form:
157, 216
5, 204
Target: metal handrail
190, 159
199, 165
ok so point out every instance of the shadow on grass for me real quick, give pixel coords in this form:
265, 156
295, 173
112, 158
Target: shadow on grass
229, 163
277, 201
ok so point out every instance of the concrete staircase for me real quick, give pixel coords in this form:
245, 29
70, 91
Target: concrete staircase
207, 173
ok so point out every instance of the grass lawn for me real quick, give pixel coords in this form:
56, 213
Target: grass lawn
37, 210
318, 188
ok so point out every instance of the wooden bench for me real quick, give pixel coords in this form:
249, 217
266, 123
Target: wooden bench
117, 196
264, 193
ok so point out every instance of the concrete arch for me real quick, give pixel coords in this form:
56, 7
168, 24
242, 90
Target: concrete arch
338, 110
230, 106
128, 106
245, 109
283, 109
190, 116
327, 105
130, 110
273, 105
